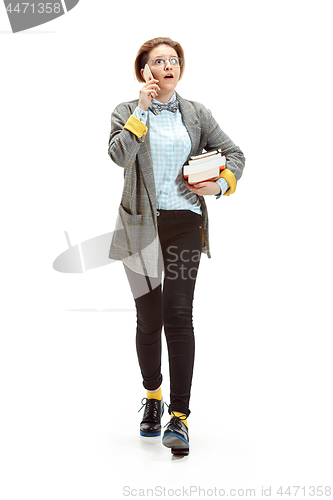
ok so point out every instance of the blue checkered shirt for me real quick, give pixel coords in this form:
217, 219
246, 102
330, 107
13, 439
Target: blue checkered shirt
170, 146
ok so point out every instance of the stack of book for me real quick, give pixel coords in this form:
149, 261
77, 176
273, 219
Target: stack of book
205, 167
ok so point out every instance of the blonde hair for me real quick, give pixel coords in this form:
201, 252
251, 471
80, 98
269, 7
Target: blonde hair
142, 55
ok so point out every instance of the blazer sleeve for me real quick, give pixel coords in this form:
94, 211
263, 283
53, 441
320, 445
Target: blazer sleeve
127, 134
235, 159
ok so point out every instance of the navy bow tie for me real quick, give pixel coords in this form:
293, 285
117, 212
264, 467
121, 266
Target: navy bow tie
156, 108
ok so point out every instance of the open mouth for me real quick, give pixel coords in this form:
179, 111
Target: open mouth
168, 76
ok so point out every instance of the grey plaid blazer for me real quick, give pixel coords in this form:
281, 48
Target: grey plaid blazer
135, 239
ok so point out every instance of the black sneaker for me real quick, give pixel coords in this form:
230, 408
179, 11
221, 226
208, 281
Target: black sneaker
176, 436
151, 423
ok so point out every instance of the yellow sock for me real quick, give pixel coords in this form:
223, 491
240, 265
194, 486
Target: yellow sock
181, 415
155, 395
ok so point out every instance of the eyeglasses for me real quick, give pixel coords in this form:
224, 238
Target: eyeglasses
175, 62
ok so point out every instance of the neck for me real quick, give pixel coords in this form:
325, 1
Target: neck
163, 98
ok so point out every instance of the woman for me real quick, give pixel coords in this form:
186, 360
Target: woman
163, 224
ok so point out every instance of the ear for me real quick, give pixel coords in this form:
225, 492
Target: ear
143, 78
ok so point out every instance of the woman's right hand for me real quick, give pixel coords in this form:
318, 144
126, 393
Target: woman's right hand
147, 94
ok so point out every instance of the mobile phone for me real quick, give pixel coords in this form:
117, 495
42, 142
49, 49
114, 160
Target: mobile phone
147, 74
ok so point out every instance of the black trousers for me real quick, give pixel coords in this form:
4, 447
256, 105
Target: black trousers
180, 239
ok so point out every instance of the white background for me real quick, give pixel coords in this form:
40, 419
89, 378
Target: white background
70, 383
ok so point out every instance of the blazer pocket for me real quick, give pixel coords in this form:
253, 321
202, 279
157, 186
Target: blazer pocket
132, 231
128, 218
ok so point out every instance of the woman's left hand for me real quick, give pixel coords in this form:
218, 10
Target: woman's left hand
203, 188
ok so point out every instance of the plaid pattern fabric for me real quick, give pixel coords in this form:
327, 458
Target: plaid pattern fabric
135, 239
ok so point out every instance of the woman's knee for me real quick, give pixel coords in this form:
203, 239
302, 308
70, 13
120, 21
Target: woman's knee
149, 311
177, 311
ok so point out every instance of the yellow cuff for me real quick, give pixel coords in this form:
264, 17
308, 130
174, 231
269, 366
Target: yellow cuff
228, 176
136, 126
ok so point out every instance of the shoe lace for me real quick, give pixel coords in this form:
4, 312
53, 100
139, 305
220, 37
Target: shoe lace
150, 404
143, 403
175, 419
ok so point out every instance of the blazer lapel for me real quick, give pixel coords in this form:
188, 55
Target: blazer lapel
146, 165
191, 122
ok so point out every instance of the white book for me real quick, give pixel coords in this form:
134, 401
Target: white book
204, 174
212, 161
206, 154
211, 174
204, 167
